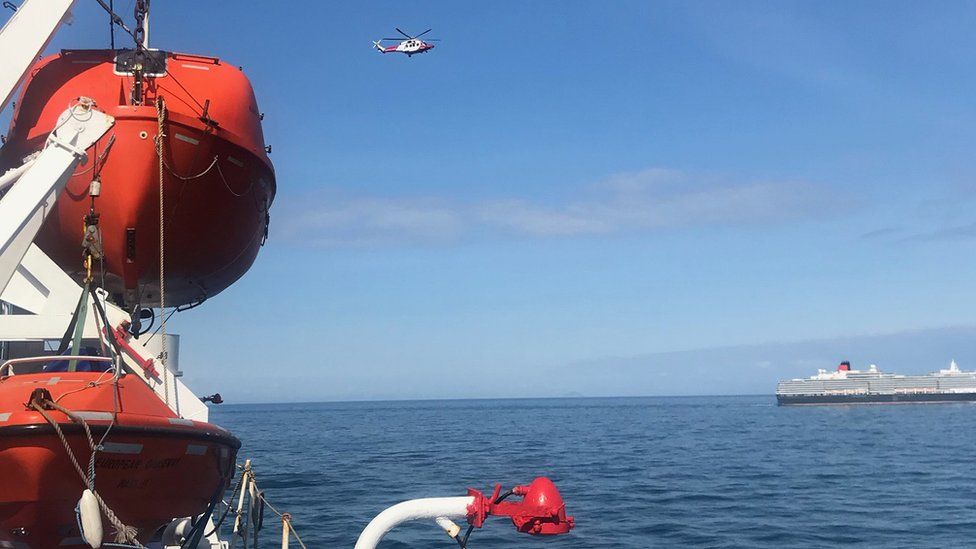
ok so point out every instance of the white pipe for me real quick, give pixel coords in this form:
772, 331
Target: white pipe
285, 537
145, 28
415, 509
449, 526
240, 500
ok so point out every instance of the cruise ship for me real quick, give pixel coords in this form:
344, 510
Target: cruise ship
847, 386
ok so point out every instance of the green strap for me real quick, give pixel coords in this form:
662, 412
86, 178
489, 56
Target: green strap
70, 329
79, 327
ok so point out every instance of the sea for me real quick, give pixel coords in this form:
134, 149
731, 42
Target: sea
635, 472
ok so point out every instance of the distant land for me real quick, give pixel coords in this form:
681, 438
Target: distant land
754, 369
733, 370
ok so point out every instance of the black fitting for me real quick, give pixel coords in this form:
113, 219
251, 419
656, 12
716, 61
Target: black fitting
41, 397
215, 398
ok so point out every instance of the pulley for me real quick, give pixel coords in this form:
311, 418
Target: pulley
92, 241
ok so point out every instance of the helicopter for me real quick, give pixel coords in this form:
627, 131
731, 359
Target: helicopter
410, 46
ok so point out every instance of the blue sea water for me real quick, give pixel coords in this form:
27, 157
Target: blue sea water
635, 472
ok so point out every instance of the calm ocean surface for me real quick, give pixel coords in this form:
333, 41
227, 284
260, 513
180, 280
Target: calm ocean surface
635, 472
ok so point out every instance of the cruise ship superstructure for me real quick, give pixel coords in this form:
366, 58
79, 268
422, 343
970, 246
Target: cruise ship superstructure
847, 386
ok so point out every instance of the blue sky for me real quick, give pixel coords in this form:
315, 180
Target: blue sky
592, 197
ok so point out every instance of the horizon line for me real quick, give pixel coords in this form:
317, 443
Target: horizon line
459, 399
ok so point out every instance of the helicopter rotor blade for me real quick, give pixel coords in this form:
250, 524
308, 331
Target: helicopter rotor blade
403, 33
423, 33
395, 39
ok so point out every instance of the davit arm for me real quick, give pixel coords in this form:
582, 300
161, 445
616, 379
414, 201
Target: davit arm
23, 39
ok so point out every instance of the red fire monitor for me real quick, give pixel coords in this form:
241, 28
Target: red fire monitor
541, 512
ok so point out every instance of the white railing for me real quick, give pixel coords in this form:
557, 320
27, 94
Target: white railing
7, 368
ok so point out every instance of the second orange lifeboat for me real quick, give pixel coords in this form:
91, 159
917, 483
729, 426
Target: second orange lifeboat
150, 466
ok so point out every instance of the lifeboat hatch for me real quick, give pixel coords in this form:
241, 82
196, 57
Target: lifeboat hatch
151, 62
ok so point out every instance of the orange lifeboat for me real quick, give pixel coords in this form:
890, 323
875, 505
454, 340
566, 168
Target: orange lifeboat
217, 180
150, 466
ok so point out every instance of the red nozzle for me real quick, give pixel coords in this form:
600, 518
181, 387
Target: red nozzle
541, 512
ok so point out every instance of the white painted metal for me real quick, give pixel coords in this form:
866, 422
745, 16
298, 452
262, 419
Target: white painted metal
416, 509
145, 29
35, 282
40, 287
29, 279
449, 526
185, 404
410, 47
176, 532
40, 328
7, 368
241, 511
285, 533
171, 346
21, 242
11, 175
24, 37
26, 204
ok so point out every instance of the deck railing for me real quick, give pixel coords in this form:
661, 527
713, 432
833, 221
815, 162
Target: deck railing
7, 368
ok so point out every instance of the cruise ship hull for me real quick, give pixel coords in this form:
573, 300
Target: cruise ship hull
916, 398
847, 386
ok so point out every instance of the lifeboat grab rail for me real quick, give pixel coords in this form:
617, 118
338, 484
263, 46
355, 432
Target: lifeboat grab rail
6, 369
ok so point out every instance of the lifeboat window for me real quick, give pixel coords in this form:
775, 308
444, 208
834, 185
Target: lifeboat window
80, 365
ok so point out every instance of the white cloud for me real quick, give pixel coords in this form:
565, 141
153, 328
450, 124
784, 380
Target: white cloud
660, 199
325, 220
644, 201
524, 217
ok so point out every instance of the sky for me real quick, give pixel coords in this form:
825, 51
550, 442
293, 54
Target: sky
572, 198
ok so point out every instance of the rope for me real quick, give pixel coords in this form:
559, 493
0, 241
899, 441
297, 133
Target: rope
240, 483
90, 385
191, 177
226, 184
123, 532
286, 517
291, 527
100, 159
160, 137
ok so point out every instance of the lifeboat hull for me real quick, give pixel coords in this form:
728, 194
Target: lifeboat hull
217, 180
153, 466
